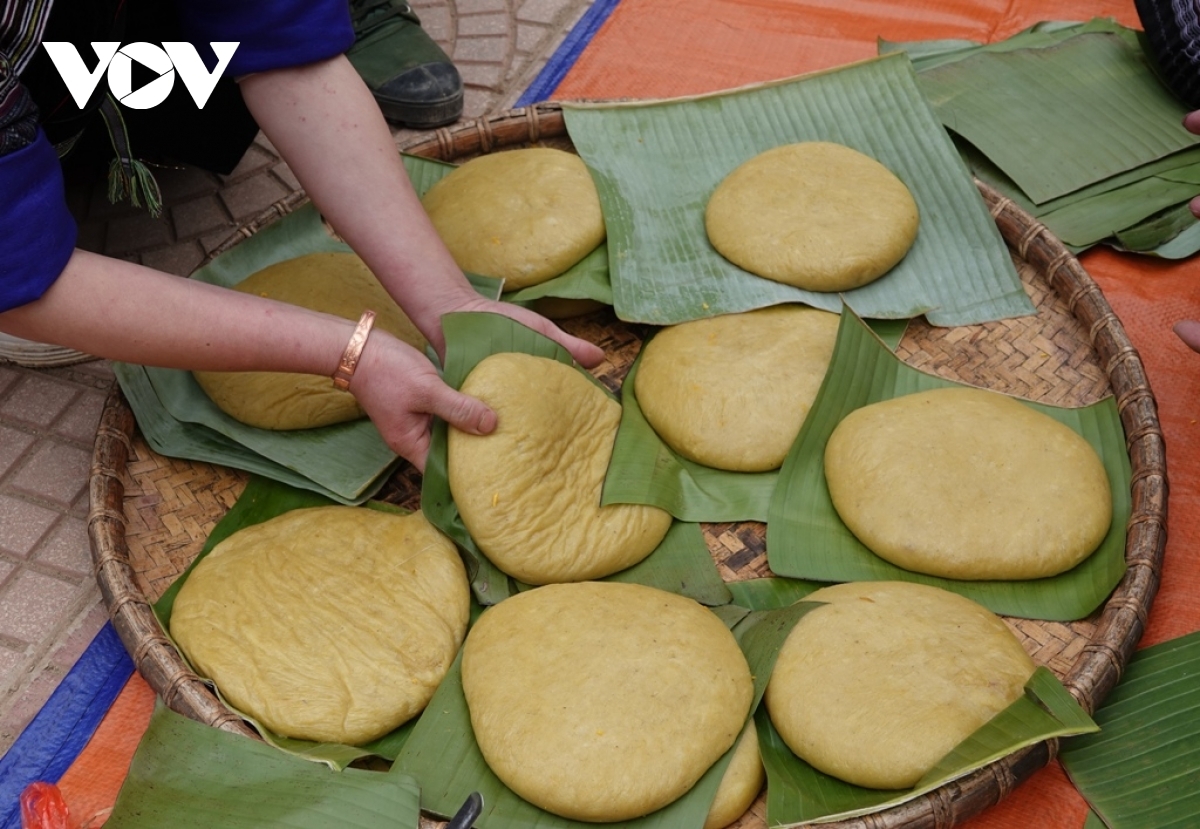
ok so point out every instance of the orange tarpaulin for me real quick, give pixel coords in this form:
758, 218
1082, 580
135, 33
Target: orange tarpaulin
668, 48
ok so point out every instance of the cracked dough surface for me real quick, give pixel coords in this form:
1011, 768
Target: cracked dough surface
968, 484
881, 683
732, 391
529, 492
603, 701
815, 214
332, 624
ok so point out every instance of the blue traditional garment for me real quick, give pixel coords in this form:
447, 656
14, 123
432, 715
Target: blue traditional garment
37, 232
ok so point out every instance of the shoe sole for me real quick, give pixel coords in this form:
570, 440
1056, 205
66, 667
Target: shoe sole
42, 357
423, 115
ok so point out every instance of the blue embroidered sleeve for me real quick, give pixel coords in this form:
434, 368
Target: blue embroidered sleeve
273, 33
37, 233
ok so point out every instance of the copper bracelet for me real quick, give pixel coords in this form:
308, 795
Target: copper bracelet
354, 349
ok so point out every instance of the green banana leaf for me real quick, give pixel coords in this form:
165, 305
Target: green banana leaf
798, 793
1093, 821
770, 593
681, 563
174, 438
1142, 770
185, 774
927, 54
644, 470
586, 279
444, 758
263, 499
656, 163
1171, 234
806, 539
1099, 211
1092, 102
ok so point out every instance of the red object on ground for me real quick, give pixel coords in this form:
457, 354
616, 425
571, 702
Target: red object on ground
43, 807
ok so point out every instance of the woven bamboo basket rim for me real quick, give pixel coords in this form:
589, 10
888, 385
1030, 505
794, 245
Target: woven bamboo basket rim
1089, 664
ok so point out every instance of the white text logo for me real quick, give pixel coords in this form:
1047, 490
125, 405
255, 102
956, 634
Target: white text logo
118, 61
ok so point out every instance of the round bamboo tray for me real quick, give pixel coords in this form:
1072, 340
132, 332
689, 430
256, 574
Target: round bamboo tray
150, 515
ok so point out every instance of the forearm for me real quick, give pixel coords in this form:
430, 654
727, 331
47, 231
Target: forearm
327, 126
123, 311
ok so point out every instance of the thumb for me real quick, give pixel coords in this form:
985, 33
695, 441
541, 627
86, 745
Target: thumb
463, 412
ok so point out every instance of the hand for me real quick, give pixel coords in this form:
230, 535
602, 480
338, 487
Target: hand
400, 390
1189, 332
583, 352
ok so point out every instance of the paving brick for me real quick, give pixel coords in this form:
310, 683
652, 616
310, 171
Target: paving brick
486, 75
37, 401
33, 605
183, 183
26, 706
13, 443
530, 36
179, 259
57, 472
199, 215
11, 660
255, 160
543, 11
22, 525
439, 25
483, 24
136, 232
91, 618
81, 417
477, 102
251, 197
482, 50
67, 547
466, 7
286, 177
8, 375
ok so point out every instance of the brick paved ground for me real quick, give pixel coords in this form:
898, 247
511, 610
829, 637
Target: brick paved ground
50, 607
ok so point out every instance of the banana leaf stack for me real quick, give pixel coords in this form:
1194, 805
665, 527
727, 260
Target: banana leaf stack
1070, 121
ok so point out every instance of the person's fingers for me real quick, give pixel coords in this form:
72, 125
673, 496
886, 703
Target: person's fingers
1189, 332
1191, 122
463, 412
1194, 206
583, 352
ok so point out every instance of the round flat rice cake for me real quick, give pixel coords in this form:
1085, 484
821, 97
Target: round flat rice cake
332, 624
523, 216
882, 682
336, 283
603, 701
529, 492
816, 215
964, 483
743, 780
732, 391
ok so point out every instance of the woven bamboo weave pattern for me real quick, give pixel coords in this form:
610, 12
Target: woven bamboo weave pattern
150, 515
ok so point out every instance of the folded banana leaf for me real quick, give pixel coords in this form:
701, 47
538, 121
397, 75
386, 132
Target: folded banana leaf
1106, 209
185, 774
586, 279
806, 538
645, 470
797, 793
445, 759
770, 593
174, 438
681, 563
1142, 770
1091, 105
262, 499
1172, 234
656, 163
